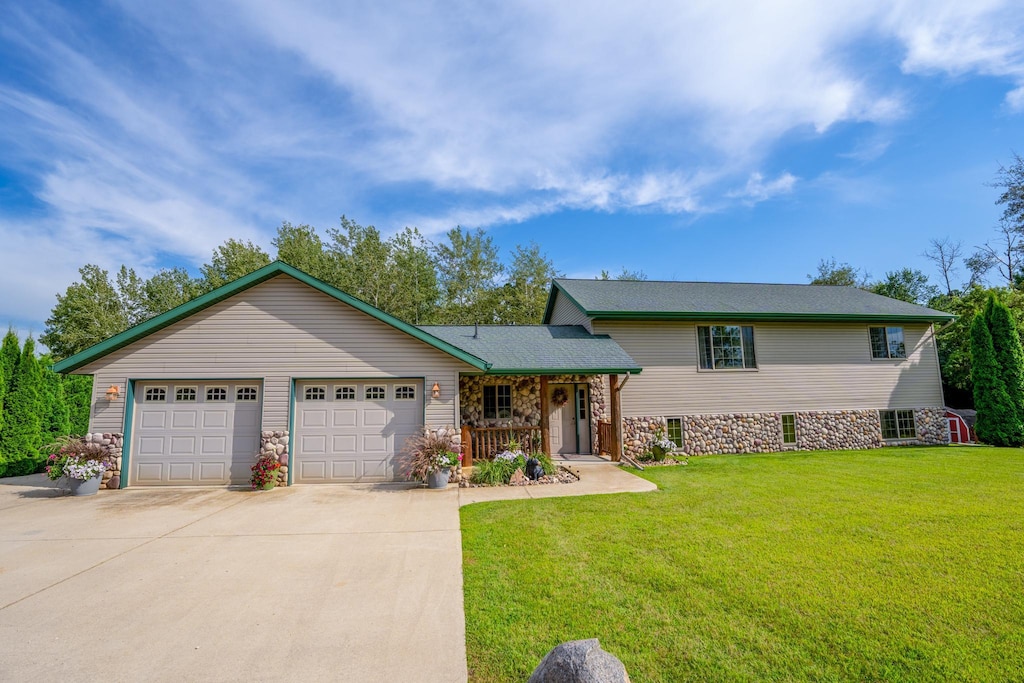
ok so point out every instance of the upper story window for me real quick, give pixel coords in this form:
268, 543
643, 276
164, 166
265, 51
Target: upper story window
887, 342
726, 347
498, 401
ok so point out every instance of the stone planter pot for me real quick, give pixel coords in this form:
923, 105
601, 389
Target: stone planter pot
86, 487
439, 479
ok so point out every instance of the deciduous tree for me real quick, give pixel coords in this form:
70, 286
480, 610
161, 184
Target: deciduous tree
230, 261
841, 274
469, 273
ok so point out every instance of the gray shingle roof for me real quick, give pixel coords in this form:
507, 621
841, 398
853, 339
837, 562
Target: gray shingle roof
537, 349
646, 299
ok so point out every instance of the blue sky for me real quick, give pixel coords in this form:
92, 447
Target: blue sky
711, 141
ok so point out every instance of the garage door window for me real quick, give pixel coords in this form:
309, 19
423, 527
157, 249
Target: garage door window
155, 394
185, 394
246, 394
316, 393
375, 393
344, 393
215, 394
405, 393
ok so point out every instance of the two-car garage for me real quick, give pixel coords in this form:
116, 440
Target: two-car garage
208, 433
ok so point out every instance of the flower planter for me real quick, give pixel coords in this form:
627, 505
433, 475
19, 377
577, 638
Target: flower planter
438, 479
268, 485
86, 487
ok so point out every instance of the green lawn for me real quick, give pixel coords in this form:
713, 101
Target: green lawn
893, 564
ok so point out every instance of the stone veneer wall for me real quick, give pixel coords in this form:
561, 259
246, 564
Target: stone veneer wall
762, 432
114, 445
526, 400
276, 444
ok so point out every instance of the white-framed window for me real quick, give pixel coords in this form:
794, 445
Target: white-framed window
155, 394
315, 393
405, 392
726, 347
345, 393
498, 401
185, 394
375, 392
887, 342
216, 394
247, 394
674, 430
898, 424
789, 429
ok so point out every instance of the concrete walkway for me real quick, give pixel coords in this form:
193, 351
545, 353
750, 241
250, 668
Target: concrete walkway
313, 583
595, 478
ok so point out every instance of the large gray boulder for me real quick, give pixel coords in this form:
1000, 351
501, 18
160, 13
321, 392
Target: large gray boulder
580, 661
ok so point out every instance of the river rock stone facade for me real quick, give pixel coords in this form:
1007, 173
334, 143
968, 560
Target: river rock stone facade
113, 444
526, 400
275, 444
762, 432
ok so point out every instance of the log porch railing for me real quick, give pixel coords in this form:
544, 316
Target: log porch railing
604, 437
486, 442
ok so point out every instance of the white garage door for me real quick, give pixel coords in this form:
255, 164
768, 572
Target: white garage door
195, 433
350, 431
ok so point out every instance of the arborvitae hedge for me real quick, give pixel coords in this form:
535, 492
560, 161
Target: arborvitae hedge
1009, 357
20, 438
55, 418
10, 351
78, 395
999, 421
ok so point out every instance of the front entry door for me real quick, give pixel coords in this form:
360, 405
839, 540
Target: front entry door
569, 424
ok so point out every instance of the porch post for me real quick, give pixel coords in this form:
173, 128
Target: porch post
545, 427
467, 447
616, 445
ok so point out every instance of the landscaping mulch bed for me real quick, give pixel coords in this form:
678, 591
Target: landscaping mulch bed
561, 476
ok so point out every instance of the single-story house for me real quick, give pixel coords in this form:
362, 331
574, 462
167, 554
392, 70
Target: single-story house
279, 362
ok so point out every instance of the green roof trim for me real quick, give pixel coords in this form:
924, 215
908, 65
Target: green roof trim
223, 292
728, 301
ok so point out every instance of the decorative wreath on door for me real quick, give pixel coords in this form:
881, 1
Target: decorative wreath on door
560, 397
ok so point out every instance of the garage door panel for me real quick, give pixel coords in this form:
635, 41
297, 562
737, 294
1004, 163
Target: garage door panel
343, 443
215, 419
358, 434
185, 419
153, 420
149, 473
183, 445
343, 469
344, 418
181, 442
181, 472
375, 417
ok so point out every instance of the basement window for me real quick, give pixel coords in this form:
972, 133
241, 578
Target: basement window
674, 427
788, 429
898, 424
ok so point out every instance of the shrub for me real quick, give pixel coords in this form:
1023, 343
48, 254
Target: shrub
431, 451
998, 418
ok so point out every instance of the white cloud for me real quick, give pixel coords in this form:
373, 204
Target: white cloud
758, 189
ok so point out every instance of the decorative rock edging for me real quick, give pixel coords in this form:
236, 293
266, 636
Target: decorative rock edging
113, 443
275, 444
762, 432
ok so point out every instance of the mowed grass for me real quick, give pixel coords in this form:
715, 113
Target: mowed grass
894, 564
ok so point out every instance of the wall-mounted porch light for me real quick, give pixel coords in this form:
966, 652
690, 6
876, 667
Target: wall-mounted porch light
435, 391
113, 392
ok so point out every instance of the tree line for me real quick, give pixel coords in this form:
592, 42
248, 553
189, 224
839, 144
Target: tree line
37, 405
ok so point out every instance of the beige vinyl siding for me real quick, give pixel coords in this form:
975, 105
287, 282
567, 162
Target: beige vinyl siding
801, 366
275, 331
565, 312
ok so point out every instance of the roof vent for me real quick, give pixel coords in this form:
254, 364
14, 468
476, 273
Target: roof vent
476, 330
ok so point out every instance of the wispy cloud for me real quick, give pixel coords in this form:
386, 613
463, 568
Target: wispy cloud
169, 127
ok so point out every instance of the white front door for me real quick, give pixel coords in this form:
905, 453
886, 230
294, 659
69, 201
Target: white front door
562, 422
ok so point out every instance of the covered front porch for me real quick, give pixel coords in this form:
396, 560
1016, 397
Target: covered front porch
550, 388
569, 417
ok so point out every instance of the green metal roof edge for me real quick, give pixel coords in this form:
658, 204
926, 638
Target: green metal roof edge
769, 317
564, 371
549, 307
228, 290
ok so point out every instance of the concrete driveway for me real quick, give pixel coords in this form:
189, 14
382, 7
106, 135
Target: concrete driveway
310, 583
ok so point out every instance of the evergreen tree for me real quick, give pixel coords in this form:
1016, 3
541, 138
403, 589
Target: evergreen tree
998, 422
78, 396
1009, 357
20, 443
54, 417
10, 352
